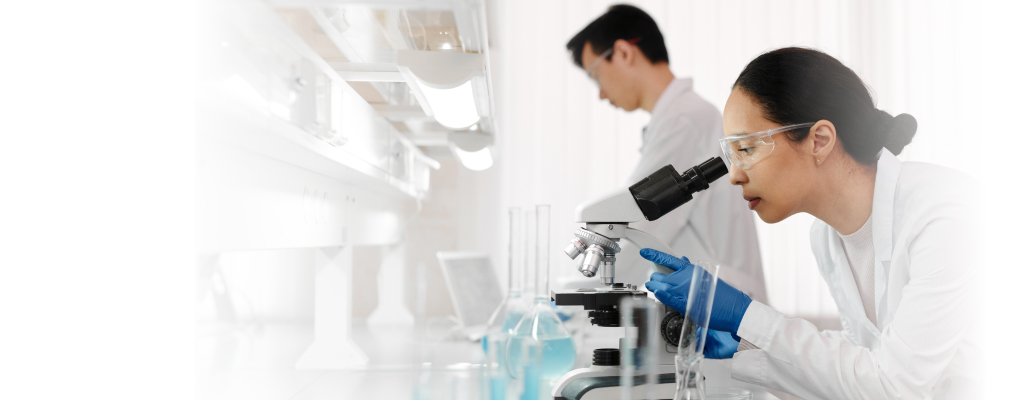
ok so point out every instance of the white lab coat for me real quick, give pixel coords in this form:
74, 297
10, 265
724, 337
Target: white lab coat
716, 225
925, 345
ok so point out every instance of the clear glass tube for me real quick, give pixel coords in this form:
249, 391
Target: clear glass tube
543, 251
695, 327
541, 325
512, 309
515, 250
530, 252
639, 378
628, 349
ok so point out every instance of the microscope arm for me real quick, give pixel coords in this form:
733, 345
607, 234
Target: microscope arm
643, 240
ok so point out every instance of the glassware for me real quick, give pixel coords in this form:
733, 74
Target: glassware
529, 385
511, 310
495, 373
728, 394
695, 324
639, 377
541, 324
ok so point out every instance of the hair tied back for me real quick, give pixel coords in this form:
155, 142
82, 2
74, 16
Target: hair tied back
899, 131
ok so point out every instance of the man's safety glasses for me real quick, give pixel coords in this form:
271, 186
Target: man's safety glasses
605, 56
592, 70
747, 149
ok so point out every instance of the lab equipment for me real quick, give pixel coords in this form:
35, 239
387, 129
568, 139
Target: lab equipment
505, 317
595, 248
639, 378
699, 302
728, 394
603, 379
730, 303
607, 220
541, 323
746, 149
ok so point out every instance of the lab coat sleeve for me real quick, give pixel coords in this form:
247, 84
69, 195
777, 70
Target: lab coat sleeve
933, 318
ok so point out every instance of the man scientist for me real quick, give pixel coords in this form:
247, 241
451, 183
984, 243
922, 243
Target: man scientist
624, 53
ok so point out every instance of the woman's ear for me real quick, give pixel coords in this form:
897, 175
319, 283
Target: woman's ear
822, 140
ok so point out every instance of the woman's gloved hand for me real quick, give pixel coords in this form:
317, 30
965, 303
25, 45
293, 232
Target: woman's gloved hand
726, 310
720, 345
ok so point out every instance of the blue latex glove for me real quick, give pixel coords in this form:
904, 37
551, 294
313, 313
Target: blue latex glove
726, 310
719, 345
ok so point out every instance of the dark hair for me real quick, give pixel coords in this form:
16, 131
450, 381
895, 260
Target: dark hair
620, 22
796, 85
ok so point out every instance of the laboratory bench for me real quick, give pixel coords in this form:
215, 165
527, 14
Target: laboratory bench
256, 361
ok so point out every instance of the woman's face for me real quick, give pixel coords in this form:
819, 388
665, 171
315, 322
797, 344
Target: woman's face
776, 186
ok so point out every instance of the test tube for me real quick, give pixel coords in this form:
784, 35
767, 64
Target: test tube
530, 252
695, 328
543, 250
515, 250
628, 348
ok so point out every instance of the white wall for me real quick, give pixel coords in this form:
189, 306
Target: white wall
559, 144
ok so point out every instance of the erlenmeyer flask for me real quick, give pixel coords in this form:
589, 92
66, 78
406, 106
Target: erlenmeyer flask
541, 323
504, 318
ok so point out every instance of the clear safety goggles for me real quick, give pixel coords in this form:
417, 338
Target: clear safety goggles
592, 70
747, 149
605, 56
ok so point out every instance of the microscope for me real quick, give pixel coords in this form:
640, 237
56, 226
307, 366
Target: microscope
596, 249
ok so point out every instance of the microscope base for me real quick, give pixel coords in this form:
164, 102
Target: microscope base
603, 383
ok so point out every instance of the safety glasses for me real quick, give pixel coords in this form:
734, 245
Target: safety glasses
747, 149
606, 56
592, 70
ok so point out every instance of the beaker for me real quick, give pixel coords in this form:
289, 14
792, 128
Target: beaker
541, 323
495, 383
504, 318
689, 385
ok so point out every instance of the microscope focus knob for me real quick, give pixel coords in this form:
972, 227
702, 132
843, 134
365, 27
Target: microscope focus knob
607, 357
672, 330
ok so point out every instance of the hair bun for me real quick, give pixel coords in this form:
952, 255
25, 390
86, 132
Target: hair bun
899, 131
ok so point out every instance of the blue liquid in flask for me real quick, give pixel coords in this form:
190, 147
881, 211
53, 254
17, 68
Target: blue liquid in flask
558, 352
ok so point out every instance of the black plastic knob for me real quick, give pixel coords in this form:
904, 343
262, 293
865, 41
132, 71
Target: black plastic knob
673, 329
606, 357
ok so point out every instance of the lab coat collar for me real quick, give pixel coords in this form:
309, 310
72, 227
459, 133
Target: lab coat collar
883, 205
886, 177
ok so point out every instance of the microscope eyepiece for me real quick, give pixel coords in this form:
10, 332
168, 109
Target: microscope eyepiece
665, 189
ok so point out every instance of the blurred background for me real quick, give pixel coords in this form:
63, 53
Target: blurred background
556, 143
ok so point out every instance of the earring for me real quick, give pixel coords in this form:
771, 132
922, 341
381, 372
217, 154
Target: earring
819, 161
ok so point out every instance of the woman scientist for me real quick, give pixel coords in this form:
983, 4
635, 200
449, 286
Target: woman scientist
891, 239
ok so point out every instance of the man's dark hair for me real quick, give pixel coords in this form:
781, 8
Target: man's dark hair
620, 22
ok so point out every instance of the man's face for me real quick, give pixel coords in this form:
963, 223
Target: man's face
613, 75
